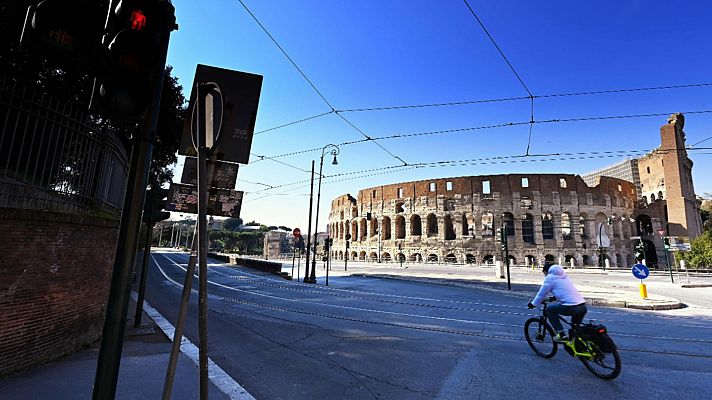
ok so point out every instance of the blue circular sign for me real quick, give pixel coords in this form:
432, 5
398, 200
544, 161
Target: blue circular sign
640, 271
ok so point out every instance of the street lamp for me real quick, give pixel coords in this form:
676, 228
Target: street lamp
601, 249
334, 152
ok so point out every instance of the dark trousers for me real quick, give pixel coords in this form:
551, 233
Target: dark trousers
577, 313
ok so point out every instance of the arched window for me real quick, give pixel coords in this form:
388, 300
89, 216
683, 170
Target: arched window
465, 226
400, 227
660, 195
373, 228
399, 207
362, 230
644, 225
354, 212
582, 226
547, 226
386, 228
566, 226
508, 219
354, 230
487, 224
416, 227
645, 199
432, 222
652, 197
449, 229
528, 228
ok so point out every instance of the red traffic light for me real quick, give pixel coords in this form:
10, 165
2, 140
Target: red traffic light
138, 20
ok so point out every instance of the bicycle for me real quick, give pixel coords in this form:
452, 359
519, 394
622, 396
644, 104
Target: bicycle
589, 343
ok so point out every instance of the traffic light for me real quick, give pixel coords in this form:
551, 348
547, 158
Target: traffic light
154, 204
503, 238
666, 242
135, 34
67, 30
639, 251
327, 244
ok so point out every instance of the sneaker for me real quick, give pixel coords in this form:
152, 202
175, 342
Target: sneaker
560, 337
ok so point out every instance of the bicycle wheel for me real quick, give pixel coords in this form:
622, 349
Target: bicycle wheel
603, 365
540, 337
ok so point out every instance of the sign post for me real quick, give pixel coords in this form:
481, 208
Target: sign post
641, 272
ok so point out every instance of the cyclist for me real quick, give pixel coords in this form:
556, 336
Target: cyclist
569, 300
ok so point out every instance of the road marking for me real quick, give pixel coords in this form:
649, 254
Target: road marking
221, 379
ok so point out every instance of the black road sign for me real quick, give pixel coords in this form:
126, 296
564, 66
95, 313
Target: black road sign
236, 102
221, 202
224, 174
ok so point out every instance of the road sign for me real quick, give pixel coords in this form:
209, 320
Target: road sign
239, 96
661, 232
221, 202
640, 271
224, 174
680, 247
297, 232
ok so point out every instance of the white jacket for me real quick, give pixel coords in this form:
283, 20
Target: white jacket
559, 284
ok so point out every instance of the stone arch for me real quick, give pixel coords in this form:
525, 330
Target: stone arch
465, 225
652, 197
528, 228
432, 225
362, 256
386, 228
354, 231
399, 207
566, 226
386, 256
488, 259
582, 225
529, 259
341, 254
568, 258
550, 258
401, 257
400, 227
547, 226
362, 230
416, 227
660, 195
470, 259
644, 225
373, 227
373, 256
416, 257
508, 219
586, 260
432, 258
487, 225
450, 258
449, 228
354, 255
512, 260
651, 255
354, 212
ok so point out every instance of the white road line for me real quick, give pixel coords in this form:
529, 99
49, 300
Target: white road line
217, 375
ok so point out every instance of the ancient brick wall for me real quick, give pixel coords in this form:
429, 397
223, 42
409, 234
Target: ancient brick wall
456, 219
55, 272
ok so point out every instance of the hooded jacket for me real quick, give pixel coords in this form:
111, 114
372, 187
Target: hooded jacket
559, 284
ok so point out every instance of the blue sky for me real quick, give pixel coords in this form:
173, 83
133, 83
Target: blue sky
365, 54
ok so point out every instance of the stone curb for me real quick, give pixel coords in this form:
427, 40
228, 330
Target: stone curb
695, 285
671, 304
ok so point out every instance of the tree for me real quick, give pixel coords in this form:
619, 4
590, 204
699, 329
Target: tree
232, 224
71, 83
705, 212
701, 253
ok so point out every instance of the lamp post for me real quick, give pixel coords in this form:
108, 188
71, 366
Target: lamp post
334, 152
601, 248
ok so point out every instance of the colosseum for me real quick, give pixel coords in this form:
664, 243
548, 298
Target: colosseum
559, 217
459, 220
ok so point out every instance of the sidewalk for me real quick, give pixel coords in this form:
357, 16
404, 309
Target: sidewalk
144, 361
525, 282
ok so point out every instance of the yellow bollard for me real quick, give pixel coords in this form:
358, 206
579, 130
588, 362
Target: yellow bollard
643, 291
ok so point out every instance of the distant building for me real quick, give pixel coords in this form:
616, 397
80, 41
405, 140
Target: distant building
558, 217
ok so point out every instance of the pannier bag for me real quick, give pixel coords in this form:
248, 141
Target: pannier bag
598, 334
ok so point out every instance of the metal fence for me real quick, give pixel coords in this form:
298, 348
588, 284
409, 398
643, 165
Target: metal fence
54, 157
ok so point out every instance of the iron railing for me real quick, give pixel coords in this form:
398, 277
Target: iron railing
54, 157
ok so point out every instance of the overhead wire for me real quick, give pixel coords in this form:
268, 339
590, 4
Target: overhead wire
313, 86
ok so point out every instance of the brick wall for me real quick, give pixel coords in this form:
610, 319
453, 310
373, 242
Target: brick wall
55, 272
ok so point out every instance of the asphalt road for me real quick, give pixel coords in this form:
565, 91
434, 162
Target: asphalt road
366, 338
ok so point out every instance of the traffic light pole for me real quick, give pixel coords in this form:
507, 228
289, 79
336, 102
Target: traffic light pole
112, 338
144, 274
667, 261
311, 202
